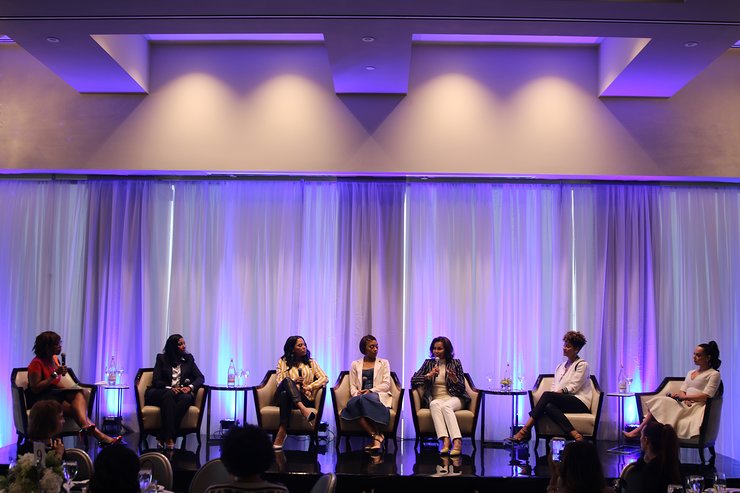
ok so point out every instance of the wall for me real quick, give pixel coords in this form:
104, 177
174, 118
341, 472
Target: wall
512, 111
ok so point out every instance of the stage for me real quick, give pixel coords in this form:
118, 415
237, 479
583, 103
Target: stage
482, 469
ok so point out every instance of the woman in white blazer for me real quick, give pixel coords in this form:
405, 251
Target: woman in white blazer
370, 388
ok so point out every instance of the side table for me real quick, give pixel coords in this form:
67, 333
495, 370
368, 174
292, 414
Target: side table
226, 388
119, 401
514, 412
621, 448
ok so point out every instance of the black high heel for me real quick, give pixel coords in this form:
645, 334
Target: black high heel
380, 442
525, 437
87, 430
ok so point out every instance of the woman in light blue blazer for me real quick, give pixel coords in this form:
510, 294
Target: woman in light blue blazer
370, 388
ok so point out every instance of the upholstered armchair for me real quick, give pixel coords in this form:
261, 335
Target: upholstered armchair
709, 429
587, 424
467, 418
150, 418
18, 385
340, 395
268, 413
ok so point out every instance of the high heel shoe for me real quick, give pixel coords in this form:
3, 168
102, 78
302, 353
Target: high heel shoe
523, 435
311, 416
117, 440
87, 430
378, 443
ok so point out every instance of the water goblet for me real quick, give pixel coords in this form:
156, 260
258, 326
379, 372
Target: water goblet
520, 379
489, 379
145, 479
720, 482
674, 488
629, 383
69, 470
695, 484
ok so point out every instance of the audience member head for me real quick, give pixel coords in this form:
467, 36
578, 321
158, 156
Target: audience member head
45, 420
116, 471
365, 341
659, 442
711, 350
45, 344
446, 344
246, 451
575, 339
580, 469
171, 350
290, 348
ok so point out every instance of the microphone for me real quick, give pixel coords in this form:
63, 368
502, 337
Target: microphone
300, 374
64, 359
436, 361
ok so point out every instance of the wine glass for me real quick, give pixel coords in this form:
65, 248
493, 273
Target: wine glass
489, 379
145, 479
629, 383
675, 488
69, 470
720, 482
520, 380
119, 379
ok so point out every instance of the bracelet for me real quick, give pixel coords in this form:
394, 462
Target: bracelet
54, 375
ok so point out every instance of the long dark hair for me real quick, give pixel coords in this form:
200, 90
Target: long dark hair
44, 345
664, 444
288, 355
171, 353
712, 350
449, 350
581, 470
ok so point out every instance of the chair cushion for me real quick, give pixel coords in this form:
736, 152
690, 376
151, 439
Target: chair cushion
271, 419
152, 418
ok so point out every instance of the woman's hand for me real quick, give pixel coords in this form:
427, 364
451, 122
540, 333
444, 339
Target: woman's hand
186, 389
364, 391
58, 446
433, 374
452, 376
62, 370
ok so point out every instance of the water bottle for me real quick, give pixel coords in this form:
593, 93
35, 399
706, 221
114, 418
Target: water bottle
622, 380
112, 371
231, 378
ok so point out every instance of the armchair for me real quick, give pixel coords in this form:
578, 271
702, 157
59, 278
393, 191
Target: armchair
18, 385
467, 417
268, 414
587, 424
340, 395
149, 417
709, 429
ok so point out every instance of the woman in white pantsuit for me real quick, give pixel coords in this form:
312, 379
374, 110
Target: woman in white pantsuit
443, 379
685, 410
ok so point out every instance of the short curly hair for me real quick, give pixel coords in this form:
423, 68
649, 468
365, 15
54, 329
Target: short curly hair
43, 421
575, 339
246, 451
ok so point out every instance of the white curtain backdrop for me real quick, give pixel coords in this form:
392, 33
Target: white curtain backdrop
503, 269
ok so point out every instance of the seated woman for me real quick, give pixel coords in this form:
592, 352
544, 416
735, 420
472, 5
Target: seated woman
685, 409
44, 383
443, 379
369, 386
116, 470
298, 377
570, 391
247, 453
175, 382
659, 465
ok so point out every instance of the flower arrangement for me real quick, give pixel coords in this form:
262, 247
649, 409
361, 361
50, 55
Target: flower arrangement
27, 476
506, 383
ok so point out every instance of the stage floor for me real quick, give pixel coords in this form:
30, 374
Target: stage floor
482, 469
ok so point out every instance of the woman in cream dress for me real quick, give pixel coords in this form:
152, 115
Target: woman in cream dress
684, 410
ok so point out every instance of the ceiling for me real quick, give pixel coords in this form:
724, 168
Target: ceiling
646, 49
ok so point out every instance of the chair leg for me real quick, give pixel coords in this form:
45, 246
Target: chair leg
701, 455
711, 451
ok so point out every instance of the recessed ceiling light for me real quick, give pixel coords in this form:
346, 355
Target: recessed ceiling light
690, 44
369, 68
53, 39
368, 39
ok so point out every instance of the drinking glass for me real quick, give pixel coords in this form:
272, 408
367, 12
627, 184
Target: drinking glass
629, 383
674, 488
69, 470
695, 484
520, 379
119, 376
720, 482
145, 479
489, 379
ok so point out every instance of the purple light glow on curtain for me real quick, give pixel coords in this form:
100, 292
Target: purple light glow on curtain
646, 272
